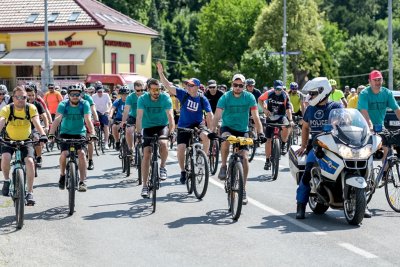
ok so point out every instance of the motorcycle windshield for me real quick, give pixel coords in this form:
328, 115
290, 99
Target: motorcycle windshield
349, 126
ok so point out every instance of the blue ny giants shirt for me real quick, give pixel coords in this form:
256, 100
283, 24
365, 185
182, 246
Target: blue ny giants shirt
317, 116
192, 110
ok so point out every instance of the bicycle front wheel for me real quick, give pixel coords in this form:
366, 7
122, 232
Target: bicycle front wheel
214, 156
19, 197
235, 191
138, 159
201, 173
154, 181
71, 186
392, 187
189, 168
276, 153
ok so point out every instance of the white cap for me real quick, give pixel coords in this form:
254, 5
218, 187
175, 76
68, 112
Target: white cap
240, 77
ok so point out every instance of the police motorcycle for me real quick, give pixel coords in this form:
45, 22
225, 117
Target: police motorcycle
344, 161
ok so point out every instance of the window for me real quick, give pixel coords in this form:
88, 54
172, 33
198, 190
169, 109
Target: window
24, 71
32, 17
68, 70
52, 17
114, 63
142, 58
132, 63
74, 16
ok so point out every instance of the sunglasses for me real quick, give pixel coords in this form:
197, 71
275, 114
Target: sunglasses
22, 97
212, 87
2, 94
238, 85
75, 94
139, 90
191, 85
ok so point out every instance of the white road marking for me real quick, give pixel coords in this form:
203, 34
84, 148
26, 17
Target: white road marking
358, 251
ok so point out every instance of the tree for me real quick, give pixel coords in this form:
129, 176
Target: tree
224, 31
364, 53
303, 26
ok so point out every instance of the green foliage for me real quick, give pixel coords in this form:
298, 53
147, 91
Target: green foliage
261, 66
224, 31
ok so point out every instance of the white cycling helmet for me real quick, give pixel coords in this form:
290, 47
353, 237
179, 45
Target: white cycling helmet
318, 85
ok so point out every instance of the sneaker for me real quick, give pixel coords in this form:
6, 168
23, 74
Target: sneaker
222, 173
145, 192
90, 165
29, 199
117, 146
245, 200
284, 150
267, 165
61, 182
106, 147
6, 188
82, 187
163, 174
183, 177
39, 162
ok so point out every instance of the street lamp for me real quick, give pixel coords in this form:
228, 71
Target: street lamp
47, 72
390, 41
284, 40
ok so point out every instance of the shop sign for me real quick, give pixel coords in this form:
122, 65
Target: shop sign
54, 43
117, 43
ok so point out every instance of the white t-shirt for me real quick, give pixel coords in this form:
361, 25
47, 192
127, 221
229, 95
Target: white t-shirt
103, 103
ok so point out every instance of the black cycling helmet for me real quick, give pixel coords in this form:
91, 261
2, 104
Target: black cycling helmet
33, 86
124, 90
250, 82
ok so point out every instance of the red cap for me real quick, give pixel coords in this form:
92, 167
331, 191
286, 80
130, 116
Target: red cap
375, 74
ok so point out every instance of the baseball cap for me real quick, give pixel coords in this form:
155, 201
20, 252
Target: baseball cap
239, 77
375, 74
353, 90
194, 81
212, 83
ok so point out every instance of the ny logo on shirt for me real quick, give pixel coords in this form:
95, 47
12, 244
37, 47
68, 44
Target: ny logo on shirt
192, 106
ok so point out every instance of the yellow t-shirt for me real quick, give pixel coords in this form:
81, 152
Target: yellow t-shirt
18, 129
352, 102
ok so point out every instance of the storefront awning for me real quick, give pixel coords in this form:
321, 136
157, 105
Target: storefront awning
60, 56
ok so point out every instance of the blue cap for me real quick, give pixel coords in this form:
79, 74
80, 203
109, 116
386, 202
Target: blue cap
278, 84
194, 81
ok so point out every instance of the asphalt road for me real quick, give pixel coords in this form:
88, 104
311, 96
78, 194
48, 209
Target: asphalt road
114, 226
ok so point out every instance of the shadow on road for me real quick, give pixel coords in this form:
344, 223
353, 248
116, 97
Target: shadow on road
122, 184
108, 175
46, 185
215, 217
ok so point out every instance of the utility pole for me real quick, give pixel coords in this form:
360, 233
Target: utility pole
390, 37
284, 40
47, 72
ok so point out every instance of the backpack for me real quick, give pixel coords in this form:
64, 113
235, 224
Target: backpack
185, 98
80, 106
13, 117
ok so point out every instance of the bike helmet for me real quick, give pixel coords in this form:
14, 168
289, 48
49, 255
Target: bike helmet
294, 86
250, 82
3, 89
75, 87
33, 86
123, 90
318, 85
98, 85
278, 84
332, 82
63, 92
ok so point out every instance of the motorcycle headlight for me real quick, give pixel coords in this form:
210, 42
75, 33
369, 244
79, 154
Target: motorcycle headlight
353, 153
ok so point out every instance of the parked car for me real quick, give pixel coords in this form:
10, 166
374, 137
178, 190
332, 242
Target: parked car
391, 122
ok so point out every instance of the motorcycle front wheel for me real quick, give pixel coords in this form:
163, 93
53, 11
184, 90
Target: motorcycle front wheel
354, 205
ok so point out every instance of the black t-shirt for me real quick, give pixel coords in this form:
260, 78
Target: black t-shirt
256, 93
213, 99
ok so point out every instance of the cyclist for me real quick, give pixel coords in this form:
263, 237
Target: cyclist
118, 107
154, 116
193, 103
315, 117
296, 98
234, 108
250, 87
223, 88
103, 104
130, 110
42, 115
4, 97
17, 117
337, 95
72, 116
52, 98
39, 99
213, 94
63, 92
276, 102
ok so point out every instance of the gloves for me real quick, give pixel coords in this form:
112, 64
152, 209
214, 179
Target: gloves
212, 136
92, 137
262, 138
43, 139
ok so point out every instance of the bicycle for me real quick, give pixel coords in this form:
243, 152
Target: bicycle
213, 156
18, 180
100, 142
275, 149
252, 134
196, 164
234, 182
296, 132
124, 152
72, 171
153, 183
137, 162
385, 176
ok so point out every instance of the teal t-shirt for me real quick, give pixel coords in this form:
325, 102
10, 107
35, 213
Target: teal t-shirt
376, 104
132, 100
235, 114
154, 112
89, 99
73, 122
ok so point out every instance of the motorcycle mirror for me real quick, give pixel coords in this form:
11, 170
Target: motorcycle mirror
377, 128
327, 128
